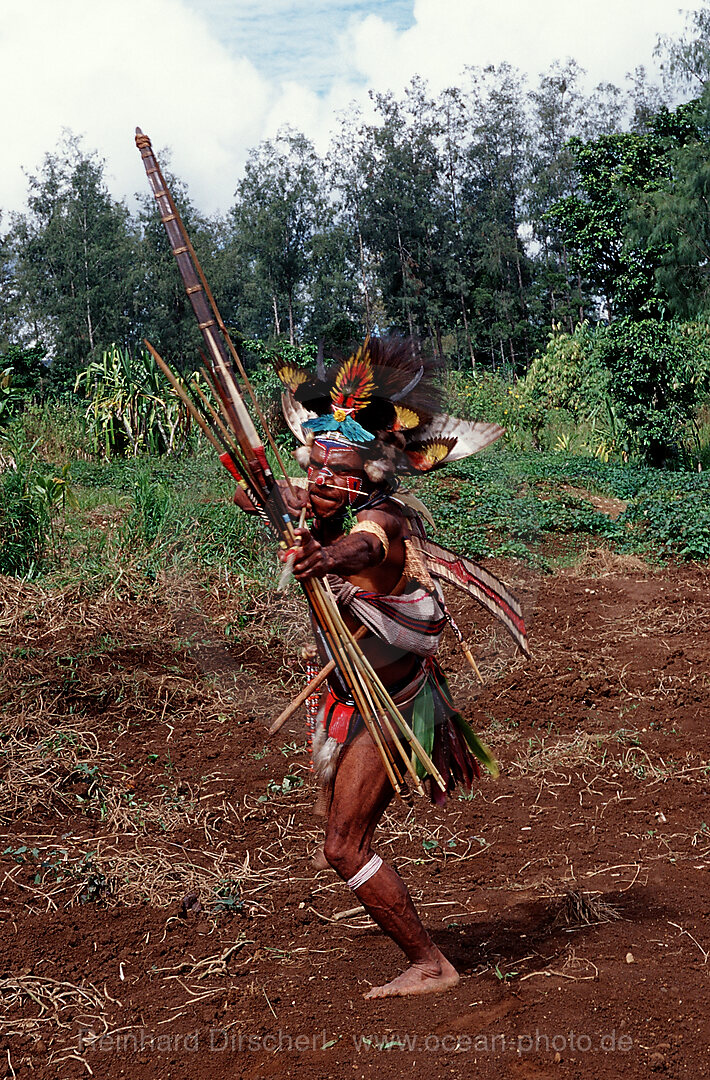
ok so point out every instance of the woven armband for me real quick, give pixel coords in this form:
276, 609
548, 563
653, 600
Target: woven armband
376, 530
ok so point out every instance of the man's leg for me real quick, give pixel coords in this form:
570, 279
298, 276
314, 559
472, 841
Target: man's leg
361, 795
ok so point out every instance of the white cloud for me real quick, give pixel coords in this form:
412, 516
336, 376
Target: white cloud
181, 69
103, 68
607, 37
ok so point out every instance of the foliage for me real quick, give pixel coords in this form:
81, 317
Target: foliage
280, 213
57, 429
260, 357
168, 511
473, 219
30, 503
568, 378
595, 220
686, 59
28, 367
74, 269
20, 374
659, 373
505, 503
10, 397
565, 375
164, 315
23, 524
132, 408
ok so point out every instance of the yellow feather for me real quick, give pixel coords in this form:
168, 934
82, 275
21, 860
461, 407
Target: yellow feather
406, 417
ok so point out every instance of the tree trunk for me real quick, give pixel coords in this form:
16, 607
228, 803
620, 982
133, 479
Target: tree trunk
290, 318
89, 321
468, 333
404, 279
439, 345
277, 324
366, 292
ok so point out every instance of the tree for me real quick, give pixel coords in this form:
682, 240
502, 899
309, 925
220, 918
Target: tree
686, 60
493, 192
75, 261
349, 181
8, 293
659, 372
558, 115
614, 173
280, 205
402, 214
675, 220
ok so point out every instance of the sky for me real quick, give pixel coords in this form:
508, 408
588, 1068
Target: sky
211, 78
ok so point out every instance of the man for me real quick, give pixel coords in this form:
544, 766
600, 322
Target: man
361, 790
365, 540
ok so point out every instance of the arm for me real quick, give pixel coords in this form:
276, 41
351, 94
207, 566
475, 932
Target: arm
348, 554
294, 500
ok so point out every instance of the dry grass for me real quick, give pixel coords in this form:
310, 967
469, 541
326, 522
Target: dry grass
601, 562
47, 1000
578, 908
37, 763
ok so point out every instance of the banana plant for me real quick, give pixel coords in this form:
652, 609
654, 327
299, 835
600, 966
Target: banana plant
131, 408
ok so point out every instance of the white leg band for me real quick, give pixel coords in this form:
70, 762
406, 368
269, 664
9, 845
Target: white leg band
365, 873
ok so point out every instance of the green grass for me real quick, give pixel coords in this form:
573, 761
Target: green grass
512, 503
137, 518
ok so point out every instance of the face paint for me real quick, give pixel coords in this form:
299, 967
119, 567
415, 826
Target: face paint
339, 485
320, 476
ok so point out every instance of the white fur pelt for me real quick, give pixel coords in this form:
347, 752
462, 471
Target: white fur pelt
325, 754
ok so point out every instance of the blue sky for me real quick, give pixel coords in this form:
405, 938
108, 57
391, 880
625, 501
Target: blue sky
212, 78
295, 41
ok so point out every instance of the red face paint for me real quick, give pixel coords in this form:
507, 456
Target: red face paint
333, 481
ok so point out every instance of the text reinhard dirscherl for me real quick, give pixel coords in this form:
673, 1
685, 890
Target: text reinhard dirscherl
229, 1041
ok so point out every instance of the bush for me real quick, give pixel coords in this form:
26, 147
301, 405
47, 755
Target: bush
132, 408
24, 524
28, 368
659, 373
569, 385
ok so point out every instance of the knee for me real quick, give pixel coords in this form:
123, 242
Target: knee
341, 854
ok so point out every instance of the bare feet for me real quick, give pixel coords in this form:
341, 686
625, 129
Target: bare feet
431, 978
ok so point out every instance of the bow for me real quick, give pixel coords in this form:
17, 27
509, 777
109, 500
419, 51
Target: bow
229, 427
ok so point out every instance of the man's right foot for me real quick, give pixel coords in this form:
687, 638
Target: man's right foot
433, 978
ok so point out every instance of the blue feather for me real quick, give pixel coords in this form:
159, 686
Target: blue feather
349, 427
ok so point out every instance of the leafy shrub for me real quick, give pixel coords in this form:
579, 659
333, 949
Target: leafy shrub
659, 373
132, 408
568, 376
673, 520
28, 368
504, 503
10, 397
24, 523
259, 358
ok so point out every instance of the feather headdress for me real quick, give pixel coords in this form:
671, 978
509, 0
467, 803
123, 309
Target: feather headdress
384, 399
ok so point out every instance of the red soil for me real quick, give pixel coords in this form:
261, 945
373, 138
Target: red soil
603, 794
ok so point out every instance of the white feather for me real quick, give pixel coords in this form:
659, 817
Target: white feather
295, 415
471, 435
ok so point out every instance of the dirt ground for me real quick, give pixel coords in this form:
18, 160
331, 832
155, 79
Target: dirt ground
160, 913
